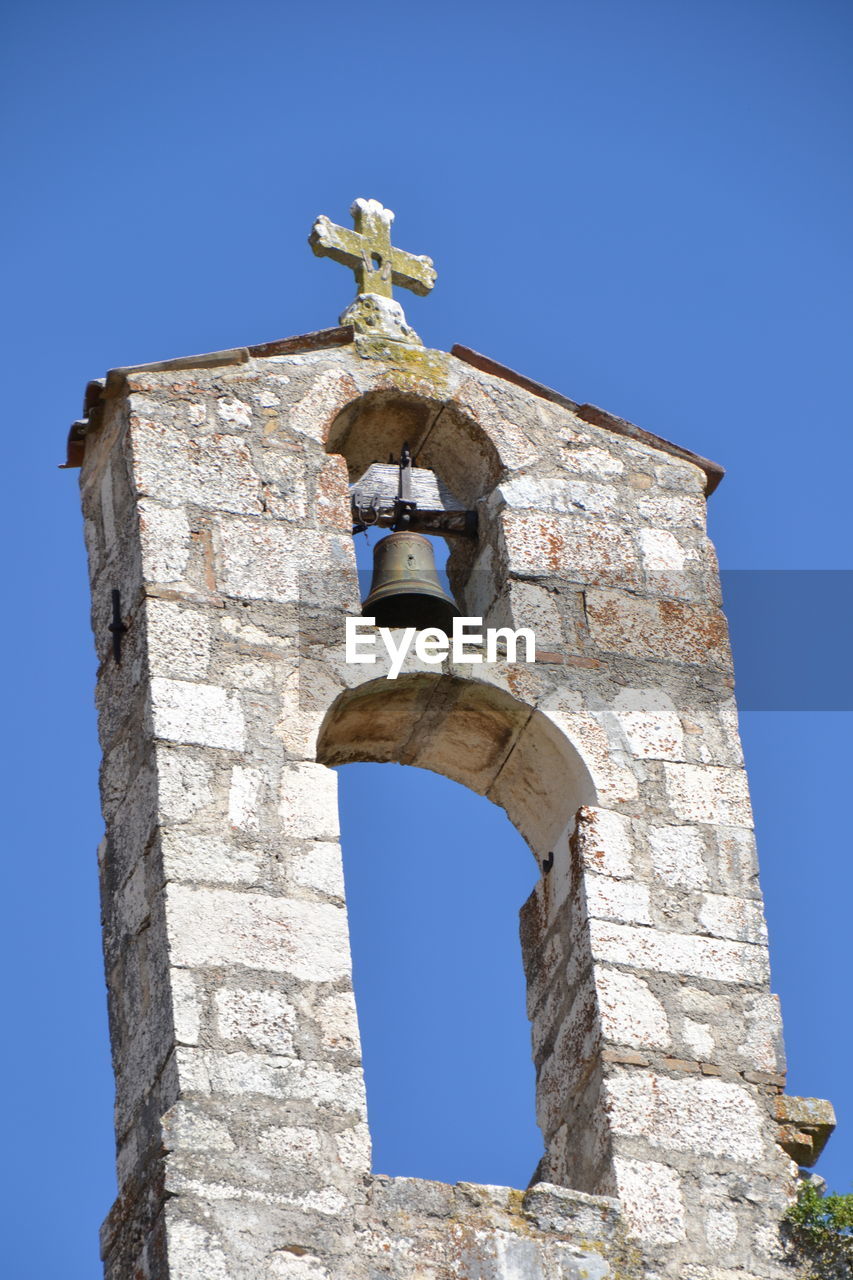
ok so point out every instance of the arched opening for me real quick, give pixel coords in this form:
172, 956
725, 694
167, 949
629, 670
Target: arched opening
442, 439
435, 877
480, 736
474, 733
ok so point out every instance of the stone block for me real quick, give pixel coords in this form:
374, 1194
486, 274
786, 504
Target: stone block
660, 952
196, 714
354, 1148
131, 826
187, 1242
291, 1146
672, 511
622, 900
414, 1197
178, 639
243, 798
165, 542
188, 1127
650, 723
590, 459
308, 802
186, 1005
212, 471
239, 1074
738, 918
652, 1200
721, 1229
206, 859
260, 1019
577, 550
218, 926
499, 413
680, 567
602, 759
761, 1046
707, 793
320, 868
525, 604
233, 412
662, 629
263, 559
573, 1058
312, 416
805, 1127
285, 483
337, 1022
604, 842
737, 861
698, 1038
629, 1013
678, 856
558, 495
703, 1116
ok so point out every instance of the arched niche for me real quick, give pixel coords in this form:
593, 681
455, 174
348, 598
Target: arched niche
444, 438
441, 436
470, 731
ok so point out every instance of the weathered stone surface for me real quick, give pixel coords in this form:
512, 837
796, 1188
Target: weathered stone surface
203, 715
262, 1019
308, 802
695, 957
629, 1013
652, 1198
621, 900
651, 628
805, 1126
678, 856
704, 793
255, 931
212, 470
695, 1115
650, 723
379, 317
604, 842
594, 552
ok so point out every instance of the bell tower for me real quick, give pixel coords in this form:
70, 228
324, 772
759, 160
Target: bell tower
219, 495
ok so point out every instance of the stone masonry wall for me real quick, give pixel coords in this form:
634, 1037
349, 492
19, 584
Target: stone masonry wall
216, 502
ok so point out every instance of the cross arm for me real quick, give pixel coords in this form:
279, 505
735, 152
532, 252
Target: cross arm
412, 271
328, 240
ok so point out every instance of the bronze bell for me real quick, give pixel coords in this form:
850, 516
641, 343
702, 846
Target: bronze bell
405, 591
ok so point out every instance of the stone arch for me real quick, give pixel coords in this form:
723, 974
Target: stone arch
445, 436
442, 436
470, 731
518, 757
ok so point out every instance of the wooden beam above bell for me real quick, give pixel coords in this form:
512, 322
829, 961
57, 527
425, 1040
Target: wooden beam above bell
376, 498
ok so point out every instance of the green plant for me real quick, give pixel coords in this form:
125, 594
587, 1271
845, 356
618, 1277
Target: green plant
820, 1230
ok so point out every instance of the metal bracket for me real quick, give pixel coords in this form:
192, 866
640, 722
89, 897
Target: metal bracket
117, 626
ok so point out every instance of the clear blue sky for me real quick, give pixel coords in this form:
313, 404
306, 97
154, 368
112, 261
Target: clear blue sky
646, 206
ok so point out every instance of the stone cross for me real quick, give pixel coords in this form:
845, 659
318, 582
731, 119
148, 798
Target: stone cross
369, 253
